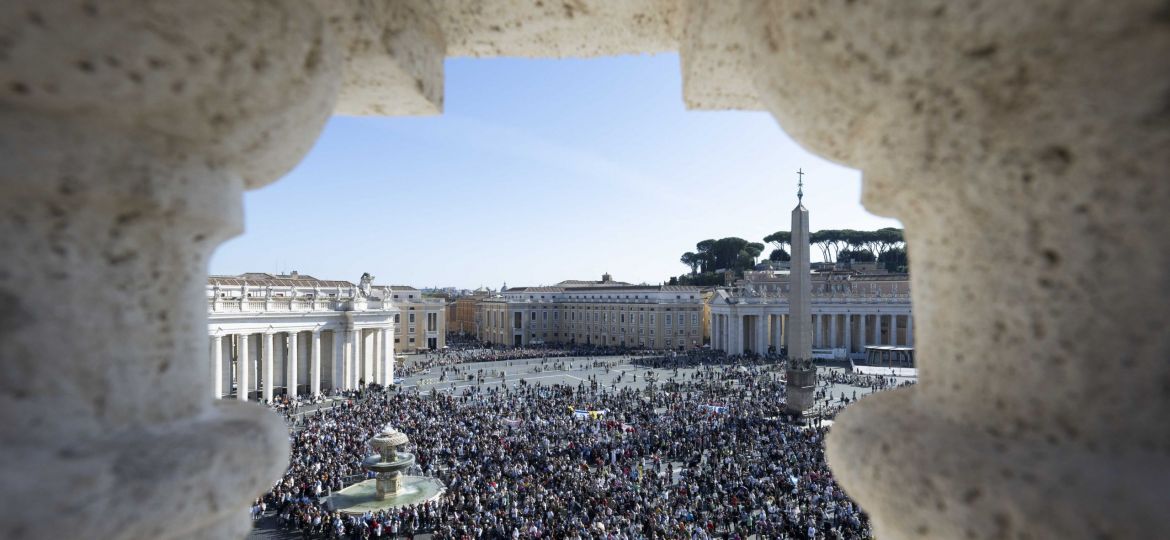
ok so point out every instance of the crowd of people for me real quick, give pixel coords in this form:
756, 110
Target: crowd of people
705, 454
469, 351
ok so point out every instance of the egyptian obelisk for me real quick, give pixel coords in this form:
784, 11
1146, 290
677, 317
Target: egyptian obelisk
801, 374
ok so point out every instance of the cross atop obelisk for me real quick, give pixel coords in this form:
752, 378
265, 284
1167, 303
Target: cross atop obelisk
799, 185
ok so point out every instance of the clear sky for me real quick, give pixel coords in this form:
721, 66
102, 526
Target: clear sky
537, 171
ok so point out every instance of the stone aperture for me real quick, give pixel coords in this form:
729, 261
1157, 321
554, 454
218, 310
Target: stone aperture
1026, 136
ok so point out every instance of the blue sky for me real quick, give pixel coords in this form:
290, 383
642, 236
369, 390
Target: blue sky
537, 171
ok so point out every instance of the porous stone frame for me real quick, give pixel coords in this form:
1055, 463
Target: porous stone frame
1022, 144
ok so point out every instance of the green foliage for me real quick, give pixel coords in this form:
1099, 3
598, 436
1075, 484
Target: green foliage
895, 260
736, 255
856, 255
704, 279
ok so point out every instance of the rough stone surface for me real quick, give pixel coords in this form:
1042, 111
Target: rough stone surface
1023, 147
715, 61
559, 28
1027, 136
129, 132
393, 56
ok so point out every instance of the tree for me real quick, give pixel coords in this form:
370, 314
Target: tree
779, 240
692, 260
856, 255
778, 255
822, 239
753, 251
706, 252
895, 260
701, 279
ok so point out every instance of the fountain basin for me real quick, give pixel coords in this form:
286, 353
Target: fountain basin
362, 497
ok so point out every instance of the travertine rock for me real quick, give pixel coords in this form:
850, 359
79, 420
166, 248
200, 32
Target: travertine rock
1023, 145
129, 133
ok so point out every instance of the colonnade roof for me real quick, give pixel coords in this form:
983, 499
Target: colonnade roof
263, 280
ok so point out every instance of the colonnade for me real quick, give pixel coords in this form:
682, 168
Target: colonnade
296, 361
737, 333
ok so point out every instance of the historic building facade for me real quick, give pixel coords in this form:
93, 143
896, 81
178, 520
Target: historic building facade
595, 313
421, 321
462, 312
272, 335
850, 310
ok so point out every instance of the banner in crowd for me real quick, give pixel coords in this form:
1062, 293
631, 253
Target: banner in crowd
583, 414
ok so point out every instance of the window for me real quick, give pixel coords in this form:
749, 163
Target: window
667, 319
397, 340
411, 330
412, 340
411, 319
533, 317
397, 318
694, 319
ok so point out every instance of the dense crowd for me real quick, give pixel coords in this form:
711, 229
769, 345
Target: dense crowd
704, 455
469, 351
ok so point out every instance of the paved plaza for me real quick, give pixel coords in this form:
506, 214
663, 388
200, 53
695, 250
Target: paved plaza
622, 372
608, 372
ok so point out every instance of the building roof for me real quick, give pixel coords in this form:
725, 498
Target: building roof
260, 279
589, 283
608, 287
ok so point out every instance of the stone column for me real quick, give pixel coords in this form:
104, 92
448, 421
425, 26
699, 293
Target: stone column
387, 356
848, 334
761, 345
355, 357
714, 333
346, 357
787, 328
217, 367
315, 364
293, 360
892, 335
128, 134
733, 334
861, 322
910, 330
723, 333
833, 330
243, 363
339, 353
268, 381
818, 331
377, 354
1042, 399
